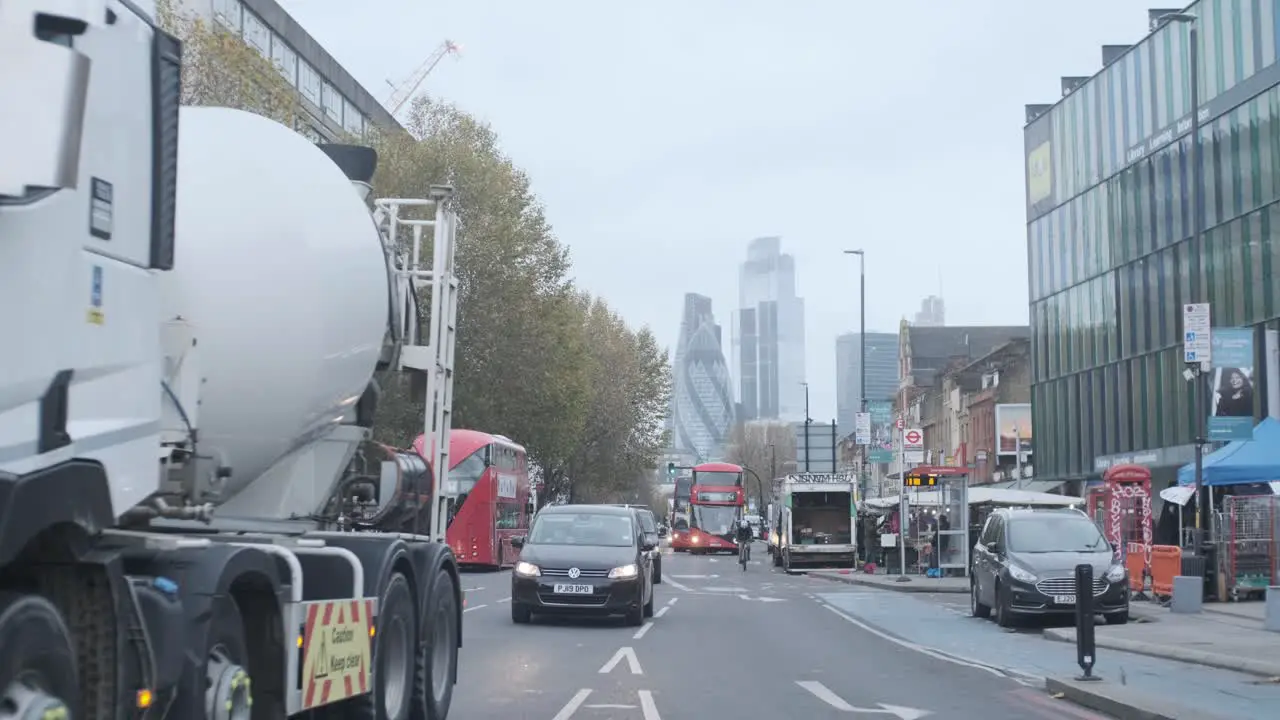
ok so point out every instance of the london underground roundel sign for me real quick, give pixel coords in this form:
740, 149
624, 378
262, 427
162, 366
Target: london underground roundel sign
913, 437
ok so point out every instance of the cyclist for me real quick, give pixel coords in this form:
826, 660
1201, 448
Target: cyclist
744, 536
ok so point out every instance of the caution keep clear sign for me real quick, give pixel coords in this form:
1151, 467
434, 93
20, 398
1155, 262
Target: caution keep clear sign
337, 653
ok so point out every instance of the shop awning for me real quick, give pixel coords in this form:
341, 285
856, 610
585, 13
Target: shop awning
1241, 462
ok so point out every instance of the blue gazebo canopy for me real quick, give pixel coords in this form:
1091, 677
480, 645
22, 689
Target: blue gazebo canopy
1241, 461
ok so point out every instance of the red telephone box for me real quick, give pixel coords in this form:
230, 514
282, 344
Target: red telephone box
1124, 500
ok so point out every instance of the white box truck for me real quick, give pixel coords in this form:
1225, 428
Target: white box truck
812, 521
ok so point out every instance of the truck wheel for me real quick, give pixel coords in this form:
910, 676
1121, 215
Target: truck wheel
393, 656
38, 666
228, 693
437, 660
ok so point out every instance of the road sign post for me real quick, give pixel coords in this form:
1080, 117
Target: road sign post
1197, 353
912, 441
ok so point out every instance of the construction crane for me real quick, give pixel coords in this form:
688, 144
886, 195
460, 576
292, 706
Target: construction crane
403, 92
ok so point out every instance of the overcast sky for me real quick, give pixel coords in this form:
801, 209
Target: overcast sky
665, 135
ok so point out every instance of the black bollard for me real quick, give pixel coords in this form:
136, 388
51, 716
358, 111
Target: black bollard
1085, 646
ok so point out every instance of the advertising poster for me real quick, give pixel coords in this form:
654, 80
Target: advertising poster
1013, 422
1232, 385
881, 450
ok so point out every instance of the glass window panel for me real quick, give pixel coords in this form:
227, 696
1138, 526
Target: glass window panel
1110, 416
1126, 312
1247, 139
1178, 228
1155, 310
1169, 301
1234, 165
256, 34
229, 13
331, 102
1155, 400
285, 59
1255, 280
1270, 239
351, 120
1141, 415
1264, 147
1124, 405
1236, 289
309, 82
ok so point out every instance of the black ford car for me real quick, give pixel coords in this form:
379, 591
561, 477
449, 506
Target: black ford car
583, 559
1024, 565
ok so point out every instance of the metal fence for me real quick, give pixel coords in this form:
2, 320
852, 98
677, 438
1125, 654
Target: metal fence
1248, 535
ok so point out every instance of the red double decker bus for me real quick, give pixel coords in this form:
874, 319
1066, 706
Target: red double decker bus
489, 474
716, 502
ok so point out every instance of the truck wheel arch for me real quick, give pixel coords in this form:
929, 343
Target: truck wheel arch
73, 494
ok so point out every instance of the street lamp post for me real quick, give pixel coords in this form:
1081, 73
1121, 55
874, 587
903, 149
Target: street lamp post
862, 344
807, 420
1197, 228
773, 462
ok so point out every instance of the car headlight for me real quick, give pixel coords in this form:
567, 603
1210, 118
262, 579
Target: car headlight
1116, 573
626, 571
527, 569
1021, 575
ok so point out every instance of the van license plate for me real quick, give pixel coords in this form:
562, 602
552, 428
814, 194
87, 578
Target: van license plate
1060, 599
567, 589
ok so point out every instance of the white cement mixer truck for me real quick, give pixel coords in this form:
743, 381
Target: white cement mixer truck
193, 305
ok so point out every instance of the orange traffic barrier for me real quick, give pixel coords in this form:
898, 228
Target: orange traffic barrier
1166, 563
1135, 561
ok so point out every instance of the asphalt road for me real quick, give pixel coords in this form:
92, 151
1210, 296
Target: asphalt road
723, 644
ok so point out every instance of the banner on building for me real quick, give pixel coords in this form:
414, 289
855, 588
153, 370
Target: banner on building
1013, 426
862, 428
881, 448
1232, 388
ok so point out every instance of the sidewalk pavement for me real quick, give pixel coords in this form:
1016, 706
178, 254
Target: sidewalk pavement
1229, 636
889, 581
1122, 702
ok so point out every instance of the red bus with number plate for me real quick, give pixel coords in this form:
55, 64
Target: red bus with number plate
489, 475
716, 503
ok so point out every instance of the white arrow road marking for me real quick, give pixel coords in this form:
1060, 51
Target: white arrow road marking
644, 629
676, 585
633, 662
821, 692
572, 706
474, 589
725, 589
648, 706
610, 706
762, 599
694, 577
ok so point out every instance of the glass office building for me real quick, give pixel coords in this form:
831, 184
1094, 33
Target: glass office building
1110, 250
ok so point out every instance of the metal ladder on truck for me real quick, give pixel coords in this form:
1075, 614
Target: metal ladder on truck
425, 275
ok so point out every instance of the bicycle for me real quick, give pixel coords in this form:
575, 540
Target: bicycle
744, 553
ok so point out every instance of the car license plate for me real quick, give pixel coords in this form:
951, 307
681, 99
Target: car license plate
1064, 599
571, 589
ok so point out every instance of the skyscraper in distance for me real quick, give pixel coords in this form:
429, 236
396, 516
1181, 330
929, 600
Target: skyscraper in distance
702, 407
768, 335
933, 313
882, 374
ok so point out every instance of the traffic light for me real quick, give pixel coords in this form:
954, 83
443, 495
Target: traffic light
671, 469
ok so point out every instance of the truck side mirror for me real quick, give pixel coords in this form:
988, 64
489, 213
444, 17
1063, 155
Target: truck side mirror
517, 542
